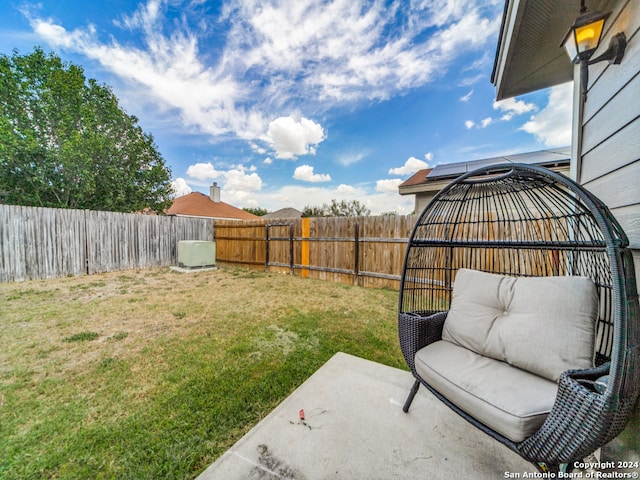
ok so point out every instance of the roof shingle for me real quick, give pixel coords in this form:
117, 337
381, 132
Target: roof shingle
197, 204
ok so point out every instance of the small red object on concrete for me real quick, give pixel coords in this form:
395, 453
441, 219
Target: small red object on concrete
301, 413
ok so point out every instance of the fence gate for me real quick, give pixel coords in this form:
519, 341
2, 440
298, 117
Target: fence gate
284, 233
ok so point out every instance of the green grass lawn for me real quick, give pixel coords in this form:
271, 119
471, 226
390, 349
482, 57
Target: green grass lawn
154, 374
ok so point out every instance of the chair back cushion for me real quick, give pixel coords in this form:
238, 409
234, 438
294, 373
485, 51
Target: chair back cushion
544, 325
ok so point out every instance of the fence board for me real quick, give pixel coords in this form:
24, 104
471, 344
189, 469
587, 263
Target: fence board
329, 245
281, 254
241, 242
37, 243
42, 243
383, 245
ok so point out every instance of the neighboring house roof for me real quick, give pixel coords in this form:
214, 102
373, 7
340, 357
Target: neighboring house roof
529, 56
197, 204
420, 181
417, 178
284, 213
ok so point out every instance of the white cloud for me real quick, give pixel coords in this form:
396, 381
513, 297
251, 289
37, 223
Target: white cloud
346, 189
237, 179
466, 97
203, 171
145, 15
443, 11
300, 196
385, 202
169, 70
389, 185
552, 125
350, 158
470, 31
305, 173
412, 165
240, 198
484, 123
257, 148
240, 189
291, 137
473, 79
513, 107
239, 184
276, 54
180, 187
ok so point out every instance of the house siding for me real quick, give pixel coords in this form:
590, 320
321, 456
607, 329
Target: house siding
422, 200
610, 146
609, 153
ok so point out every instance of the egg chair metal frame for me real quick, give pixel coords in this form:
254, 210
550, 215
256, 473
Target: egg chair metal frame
528, 221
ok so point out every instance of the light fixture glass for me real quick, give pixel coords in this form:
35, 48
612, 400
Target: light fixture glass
571, 48
584, 36
588, 37
582, 40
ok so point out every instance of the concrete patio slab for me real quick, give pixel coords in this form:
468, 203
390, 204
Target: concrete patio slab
354, 428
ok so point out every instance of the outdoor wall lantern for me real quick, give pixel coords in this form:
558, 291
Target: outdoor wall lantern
583, 38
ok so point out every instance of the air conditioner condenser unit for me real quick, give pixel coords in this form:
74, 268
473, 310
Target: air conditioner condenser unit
196, 254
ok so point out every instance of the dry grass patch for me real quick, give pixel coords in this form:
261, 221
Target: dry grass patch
153, 374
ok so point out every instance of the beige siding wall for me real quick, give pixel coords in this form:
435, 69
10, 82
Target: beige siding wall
610, 153
610, 146
422, 200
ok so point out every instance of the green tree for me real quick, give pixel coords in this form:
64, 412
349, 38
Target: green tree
256, 211
66, 143
311, 211
342, 208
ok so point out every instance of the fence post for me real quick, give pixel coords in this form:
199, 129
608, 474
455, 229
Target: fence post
266, 248
356, 253
86, 242
291, 262
304, 247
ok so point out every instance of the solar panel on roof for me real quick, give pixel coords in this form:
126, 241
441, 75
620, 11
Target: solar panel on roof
487, 162
532, 158
448, 169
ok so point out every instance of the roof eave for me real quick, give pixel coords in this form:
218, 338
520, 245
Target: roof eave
528, 56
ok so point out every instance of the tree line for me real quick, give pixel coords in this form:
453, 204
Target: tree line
66, 143
342, 208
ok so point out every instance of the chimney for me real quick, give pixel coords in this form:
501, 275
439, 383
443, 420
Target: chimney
214, 192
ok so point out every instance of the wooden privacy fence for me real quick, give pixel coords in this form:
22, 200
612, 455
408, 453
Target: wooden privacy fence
37, 243
367, 251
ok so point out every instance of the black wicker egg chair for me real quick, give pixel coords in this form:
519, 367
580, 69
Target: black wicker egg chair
524, 223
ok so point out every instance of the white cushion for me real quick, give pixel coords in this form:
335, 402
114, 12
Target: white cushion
513, 402
544, 325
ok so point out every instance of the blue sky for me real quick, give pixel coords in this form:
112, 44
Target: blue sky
289, 103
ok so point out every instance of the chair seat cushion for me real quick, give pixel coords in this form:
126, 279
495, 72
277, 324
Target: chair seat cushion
544, 325
511, 401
